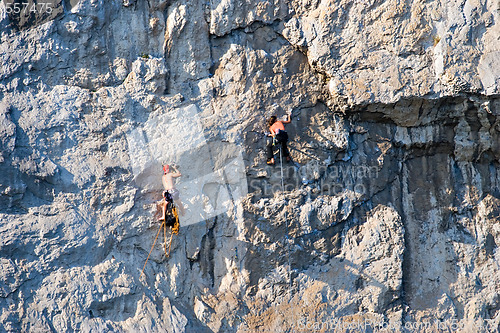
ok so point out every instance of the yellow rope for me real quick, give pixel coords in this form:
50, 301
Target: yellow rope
174, 230
175, 227
165, 238
169, 244
159, 230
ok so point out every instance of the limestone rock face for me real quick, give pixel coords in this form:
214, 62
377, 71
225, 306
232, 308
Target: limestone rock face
382, 51
388, 216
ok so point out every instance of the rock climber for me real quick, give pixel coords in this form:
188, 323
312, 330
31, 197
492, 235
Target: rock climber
168, 185
279, 135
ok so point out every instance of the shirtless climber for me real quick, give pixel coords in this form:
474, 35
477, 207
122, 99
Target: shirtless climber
168, 184
277, 129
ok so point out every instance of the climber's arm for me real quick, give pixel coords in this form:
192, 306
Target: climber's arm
176, 173
289, 119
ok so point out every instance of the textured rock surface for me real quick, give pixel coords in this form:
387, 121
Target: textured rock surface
390, 215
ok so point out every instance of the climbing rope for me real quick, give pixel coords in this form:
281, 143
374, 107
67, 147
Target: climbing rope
165, 237
286, 225
174, 230
159, 230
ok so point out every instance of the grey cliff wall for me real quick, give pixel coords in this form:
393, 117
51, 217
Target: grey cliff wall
390, 211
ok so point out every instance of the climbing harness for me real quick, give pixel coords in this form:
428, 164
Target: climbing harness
172, 215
